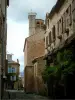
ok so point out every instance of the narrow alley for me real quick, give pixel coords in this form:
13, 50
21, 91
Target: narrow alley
21, 95
37, 49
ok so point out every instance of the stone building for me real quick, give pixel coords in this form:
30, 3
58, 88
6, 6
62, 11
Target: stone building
60, 26
13, 73
60, 38
34, 47
3, 38
39, 66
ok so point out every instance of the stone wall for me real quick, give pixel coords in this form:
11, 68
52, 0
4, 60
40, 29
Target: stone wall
39, 85
33, 43
54, 21
29, 79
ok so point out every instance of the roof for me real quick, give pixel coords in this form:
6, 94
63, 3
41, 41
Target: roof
56, 8
13, 62
37, 58
39, 19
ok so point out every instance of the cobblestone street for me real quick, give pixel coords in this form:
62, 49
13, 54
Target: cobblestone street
21, 95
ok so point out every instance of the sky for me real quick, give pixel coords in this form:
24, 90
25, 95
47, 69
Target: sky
18, 25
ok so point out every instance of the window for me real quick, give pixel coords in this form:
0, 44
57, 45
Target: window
13, 78
46, 41
64, 22
73, 5
67, 17
48, 23
58, 27
50, 37
70, 15
53, 32
9, 70
13, 70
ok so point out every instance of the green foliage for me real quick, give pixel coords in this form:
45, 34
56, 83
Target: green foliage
64, 66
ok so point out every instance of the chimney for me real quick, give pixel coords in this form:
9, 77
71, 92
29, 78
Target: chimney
9, 57
17, 61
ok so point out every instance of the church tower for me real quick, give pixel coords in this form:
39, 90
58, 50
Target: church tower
31, 17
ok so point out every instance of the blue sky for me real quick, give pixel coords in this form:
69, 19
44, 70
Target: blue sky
18, 26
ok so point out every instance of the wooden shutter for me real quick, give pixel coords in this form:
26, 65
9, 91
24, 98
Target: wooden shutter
64, 22
67, 17
70, 15
50, 37
47, 41
53, 32
58, 27
73, 5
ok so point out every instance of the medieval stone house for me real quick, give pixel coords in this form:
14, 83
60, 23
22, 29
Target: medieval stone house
60, 26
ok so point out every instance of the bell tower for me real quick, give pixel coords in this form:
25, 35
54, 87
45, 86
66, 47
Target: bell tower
31, 17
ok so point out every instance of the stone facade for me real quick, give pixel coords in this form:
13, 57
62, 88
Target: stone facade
60, 25
33, 43
39, 66
3, 39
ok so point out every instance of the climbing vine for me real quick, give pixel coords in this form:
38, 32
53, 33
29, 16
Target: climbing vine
64, 65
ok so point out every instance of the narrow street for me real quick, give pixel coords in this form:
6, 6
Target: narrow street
21, 95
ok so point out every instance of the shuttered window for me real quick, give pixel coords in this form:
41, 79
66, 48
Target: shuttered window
58, 27
53, 32
9, 70
73, 5
48, 22
70, 15
64, 22
47, 41
67, 17
50, 37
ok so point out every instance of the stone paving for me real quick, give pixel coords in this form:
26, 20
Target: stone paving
21, 95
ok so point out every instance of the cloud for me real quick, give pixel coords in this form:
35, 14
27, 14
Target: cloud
16, 36
15, 39
18, 9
